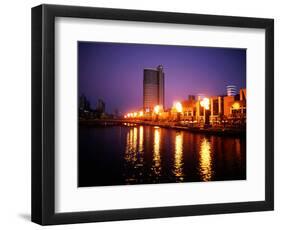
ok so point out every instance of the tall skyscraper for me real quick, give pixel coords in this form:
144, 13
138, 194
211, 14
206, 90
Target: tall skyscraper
231, 90
153, 88
100, 106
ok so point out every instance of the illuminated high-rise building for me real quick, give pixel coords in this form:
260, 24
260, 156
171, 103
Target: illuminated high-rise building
153, 88
231, 90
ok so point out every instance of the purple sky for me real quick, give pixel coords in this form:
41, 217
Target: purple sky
114, 72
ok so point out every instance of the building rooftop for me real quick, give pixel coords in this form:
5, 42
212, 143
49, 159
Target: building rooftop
150, 69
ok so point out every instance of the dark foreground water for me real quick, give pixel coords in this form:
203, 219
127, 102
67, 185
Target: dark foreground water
120, 155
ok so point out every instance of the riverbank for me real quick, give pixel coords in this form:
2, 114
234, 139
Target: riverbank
220, 131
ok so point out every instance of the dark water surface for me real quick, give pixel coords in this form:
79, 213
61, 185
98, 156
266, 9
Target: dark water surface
120, 155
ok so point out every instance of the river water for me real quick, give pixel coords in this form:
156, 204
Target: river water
122, 155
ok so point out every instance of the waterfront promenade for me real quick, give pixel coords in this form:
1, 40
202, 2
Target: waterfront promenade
209, 130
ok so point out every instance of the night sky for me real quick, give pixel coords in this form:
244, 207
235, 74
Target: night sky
114, 72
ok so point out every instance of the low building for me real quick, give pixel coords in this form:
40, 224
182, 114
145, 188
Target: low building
217, 109
235, 107
189, 109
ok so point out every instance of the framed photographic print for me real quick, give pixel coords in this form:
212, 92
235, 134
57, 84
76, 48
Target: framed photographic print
142, 114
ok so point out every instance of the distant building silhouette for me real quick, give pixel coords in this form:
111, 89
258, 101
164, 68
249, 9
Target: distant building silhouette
84, 104
100, 106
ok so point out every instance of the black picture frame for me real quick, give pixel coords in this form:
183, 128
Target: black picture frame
43, 110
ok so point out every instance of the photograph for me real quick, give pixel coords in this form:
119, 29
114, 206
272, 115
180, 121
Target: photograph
154, 113
140, 114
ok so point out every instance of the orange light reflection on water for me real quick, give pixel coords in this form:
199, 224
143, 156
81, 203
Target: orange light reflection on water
156, 153
178, 161
205, 160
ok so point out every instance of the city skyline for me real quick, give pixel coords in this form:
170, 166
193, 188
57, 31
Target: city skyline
114, 71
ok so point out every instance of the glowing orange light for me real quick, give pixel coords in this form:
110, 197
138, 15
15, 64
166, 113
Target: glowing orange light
141, 113
125, 116
157, 109
205, 103
135, 114
236, 106
178, 106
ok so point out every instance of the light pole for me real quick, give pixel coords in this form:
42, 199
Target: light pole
140, 115
205, 103
156, 111
235, 111
178, 107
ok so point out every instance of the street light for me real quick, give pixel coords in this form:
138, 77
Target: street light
235, 110
140, 113
236, 106
178, 107
156, 111
205, 103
